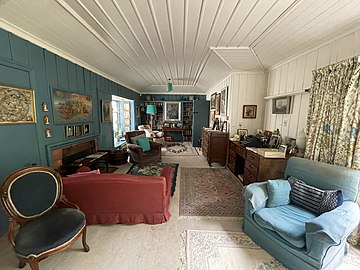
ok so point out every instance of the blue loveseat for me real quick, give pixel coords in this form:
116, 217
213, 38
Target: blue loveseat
295, 236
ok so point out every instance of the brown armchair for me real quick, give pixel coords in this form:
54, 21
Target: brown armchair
137, 155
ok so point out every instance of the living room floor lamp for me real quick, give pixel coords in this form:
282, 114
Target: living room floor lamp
151, 109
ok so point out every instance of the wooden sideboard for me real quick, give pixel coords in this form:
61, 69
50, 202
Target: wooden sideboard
214, 145
252, 167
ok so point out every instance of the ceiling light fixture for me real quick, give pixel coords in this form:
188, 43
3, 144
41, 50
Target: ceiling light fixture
169, 86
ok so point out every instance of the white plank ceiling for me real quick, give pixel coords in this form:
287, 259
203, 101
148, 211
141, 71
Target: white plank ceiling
195, 43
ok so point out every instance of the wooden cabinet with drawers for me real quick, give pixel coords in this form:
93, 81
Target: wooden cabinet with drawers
214, 145
259, 168
236, 158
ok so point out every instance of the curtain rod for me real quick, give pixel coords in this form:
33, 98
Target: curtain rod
306, 90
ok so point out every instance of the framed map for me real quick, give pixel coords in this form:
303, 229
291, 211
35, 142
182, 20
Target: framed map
17, 105
71, 107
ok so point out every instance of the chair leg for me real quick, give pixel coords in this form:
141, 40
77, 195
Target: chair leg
22, 263
85, 245
34, 264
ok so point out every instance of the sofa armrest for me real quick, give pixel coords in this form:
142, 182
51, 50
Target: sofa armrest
134, 147
331, 228
155, 146
255, 196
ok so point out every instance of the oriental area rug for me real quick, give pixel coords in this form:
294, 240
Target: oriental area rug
155, 169
218, 250
179, 149
210, 192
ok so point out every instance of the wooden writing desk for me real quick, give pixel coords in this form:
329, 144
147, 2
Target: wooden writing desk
168, 129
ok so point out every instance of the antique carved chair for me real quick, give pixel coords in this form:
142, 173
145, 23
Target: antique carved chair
137, 154
31, 197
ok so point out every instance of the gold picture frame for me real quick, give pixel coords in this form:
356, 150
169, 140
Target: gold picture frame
249, 111
281, 105
17, 105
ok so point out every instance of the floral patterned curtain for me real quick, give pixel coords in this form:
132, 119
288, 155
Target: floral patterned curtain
334, 117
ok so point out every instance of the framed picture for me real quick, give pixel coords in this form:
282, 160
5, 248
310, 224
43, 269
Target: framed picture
69, 131
46, 120
242, 133
212, 118
224, 126
281, 105
249, 111
78, 130
137, 110
44, 107
223, 101
86, 129
217, 104
106, 111
166, 125
71, 107
17, 105
275, 141
212, 101
172, 111
47, 133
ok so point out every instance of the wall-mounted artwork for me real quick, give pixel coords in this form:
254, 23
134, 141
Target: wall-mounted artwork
223, 101
217, 104
249, 111
69, 131
106, 111
281, 105
78, 130
172, 111
17, 105
47, 133
212, 101
71, 107
86, 129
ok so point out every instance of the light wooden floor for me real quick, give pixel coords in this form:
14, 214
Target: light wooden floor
150, 247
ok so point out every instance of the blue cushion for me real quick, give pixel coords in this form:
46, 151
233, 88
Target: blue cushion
144, 144
135, 138
48, 231
314, 199
278, 192
288, 221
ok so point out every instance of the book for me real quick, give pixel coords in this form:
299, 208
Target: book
270, 153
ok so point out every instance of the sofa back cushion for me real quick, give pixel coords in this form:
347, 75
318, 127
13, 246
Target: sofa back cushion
325, 176
278, 192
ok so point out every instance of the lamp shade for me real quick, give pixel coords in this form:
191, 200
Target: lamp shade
169, 86
151, 109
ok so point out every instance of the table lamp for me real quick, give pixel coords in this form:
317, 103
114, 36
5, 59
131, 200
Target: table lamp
151, 109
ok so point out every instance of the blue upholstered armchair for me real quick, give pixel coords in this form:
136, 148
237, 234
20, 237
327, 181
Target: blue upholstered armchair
284, 218
31, 196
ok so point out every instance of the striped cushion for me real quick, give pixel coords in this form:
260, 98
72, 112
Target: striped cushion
315, 199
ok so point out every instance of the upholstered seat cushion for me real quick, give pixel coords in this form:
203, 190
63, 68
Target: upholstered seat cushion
288, 221
49, 231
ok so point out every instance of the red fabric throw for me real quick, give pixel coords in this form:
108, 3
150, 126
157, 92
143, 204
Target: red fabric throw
121, 198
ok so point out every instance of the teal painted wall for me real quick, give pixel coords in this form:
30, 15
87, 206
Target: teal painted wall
23, 64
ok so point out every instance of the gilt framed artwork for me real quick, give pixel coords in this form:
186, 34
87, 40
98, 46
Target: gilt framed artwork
249, 111
223, 101
17, 105
172, 111
212, 101
217, 104
71, 107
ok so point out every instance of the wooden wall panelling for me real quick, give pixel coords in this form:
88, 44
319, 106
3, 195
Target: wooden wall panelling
19, 50
80, 79
62, 72
71, 67
5, 50
283, 78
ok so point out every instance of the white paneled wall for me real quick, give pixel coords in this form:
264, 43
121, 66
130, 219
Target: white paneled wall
295, 75
245, 88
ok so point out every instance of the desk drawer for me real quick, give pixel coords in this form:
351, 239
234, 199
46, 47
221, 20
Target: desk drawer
252, 157
241, 151
251, 168
249, 177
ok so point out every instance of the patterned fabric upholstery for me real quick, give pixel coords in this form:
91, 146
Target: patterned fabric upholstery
314, 199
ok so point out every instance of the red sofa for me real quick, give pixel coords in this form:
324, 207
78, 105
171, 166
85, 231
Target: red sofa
121, 198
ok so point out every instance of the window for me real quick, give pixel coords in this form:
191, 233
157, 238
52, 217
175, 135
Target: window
123, 110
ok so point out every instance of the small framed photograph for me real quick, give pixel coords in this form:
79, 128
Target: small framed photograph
44, 107
46, 120
281, 105
224, 126
86, 129
275, 141
242, 133
166, 125
217, 104
249, 111
78, 130
282, 148
69, 131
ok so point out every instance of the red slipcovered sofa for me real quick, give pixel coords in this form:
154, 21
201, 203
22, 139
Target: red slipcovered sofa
121, 198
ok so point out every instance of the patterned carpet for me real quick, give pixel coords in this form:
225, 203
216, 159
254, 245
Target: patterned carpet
218, 250
212, 192
155, 169
179, 149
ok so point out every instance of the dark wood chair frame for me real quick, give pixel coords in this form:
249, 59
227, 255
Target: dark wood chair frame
17, 220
